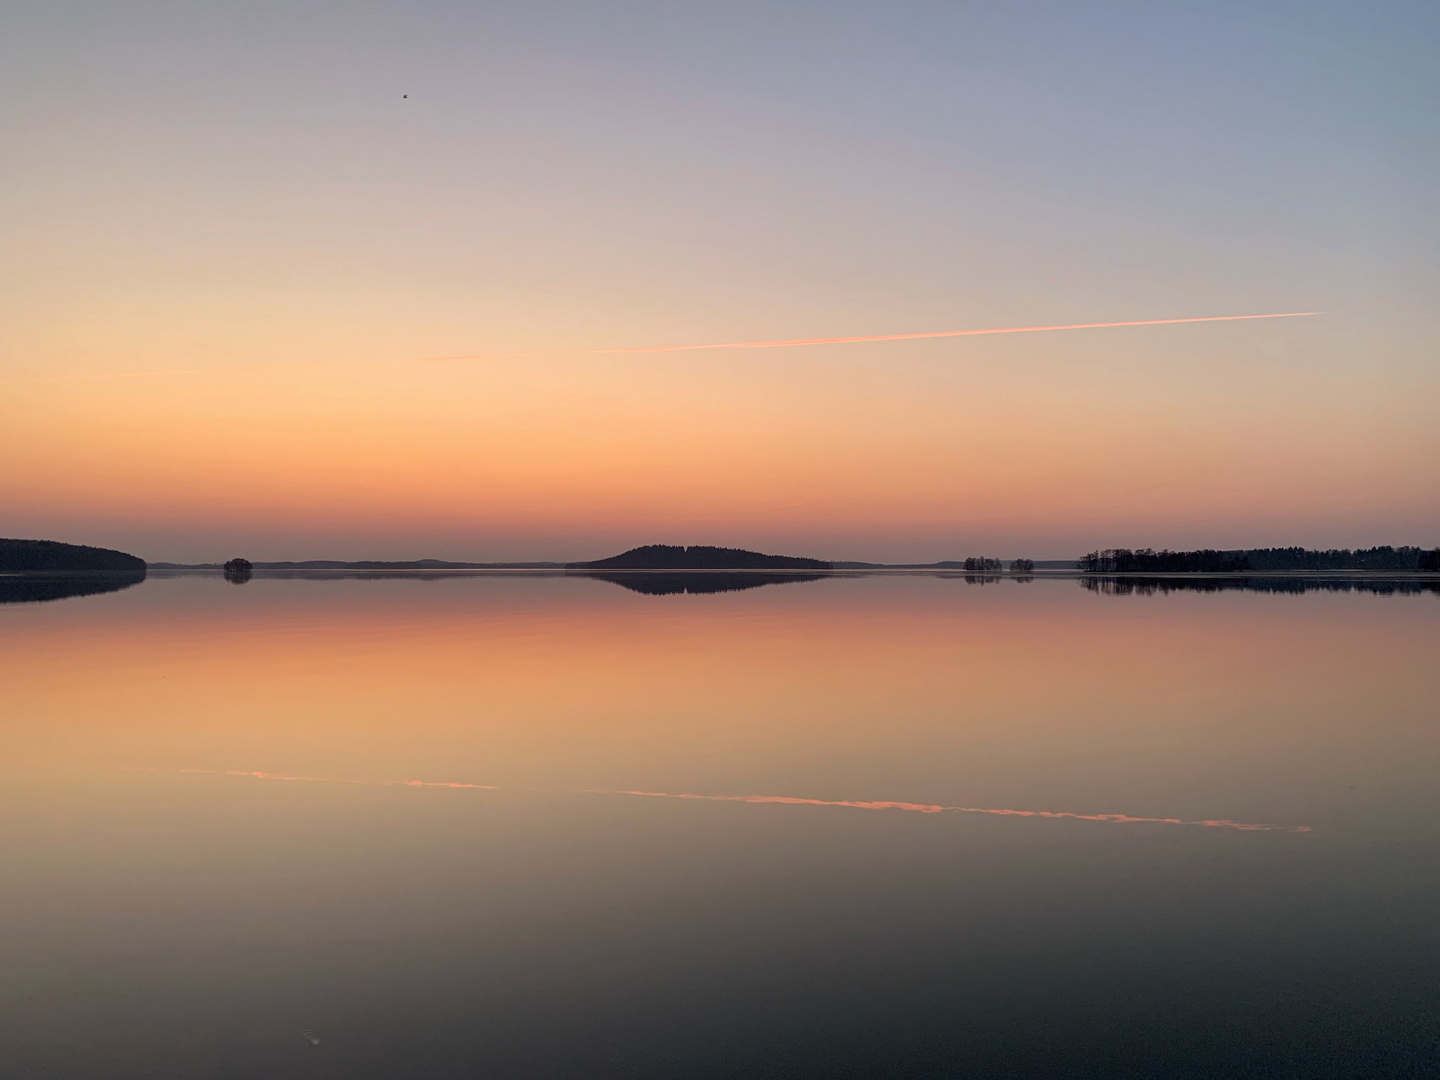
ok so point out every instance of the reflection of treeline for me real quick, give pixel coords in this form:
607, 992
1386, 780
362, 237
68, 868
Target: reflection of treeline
1208, 560
35, 588
1151, 586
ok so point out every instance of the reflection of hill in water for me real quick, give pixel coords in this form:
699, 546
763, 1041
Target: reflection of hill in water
1138, 586
665, 583
36, 588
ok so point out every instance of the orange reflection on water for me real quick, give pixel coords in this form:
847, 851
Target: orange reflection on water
1226, 708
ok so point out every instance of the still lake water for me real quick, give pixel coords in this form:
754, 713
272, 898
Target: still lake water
211, 847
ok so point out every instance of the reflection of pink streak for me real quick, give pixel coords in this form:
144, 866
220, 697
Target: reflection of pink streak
334, 780
931, 808
787, 800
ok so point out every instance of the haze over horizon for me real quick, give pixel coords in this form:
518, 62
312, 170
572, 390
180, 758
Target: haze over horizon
231, 229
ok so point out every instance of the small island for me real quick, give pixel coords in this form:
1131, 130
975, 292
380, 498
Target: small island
238, 571
699, 557
664, 569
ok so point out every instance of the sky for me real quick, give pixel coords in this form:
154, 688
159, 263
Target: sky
324, 280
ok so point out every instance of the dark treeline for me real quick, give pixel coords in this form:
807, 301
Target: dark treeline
1207, 560
1376, 558
33, 571
983, 564
53, 557
1149, 561
1150, 586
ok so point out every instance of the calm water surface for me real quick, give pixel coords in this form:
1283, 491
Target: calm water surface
213, 843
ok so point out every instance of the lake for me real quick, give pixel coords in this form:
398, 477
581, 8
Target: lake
539, 825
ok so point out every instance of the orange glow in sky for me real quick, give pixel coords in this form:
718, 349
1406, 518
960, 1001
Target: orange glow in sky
524, 214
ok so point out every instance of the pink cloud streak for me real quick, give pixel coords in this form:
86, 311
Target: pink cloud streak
939, 334
643, 349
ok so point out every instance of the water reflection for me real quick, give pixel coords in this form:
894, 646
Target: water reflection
1142, 586
761, 800
528, 825
37, 588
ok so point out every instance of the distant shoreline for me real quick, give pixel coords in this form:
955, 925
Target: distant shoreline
840, 570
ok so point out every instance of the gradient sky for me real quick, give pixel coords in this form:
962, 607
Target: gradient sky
228, 245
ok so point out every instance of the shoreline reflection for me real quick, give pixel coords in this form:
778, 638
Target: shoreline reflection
672, 583
1138, 586
38, 588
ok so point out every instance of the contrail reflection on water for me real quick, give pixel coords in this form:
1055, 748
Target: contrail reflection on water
328, 779
783, 800
933, 808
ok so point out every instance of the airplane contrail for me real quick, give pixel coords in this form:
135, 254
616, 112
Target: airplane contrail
783, 800
648, 349
938, 334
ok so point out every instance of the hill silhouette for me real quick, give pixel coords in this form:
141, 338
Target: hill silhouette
32, 571
698, 557
53, 557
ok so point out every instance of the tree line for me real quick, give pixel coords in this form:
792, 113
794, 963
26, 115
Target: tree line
982, 564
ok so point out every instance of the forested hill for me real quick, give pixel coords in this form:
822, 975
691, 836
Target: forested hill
1259, 560
53, 557
666, 557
